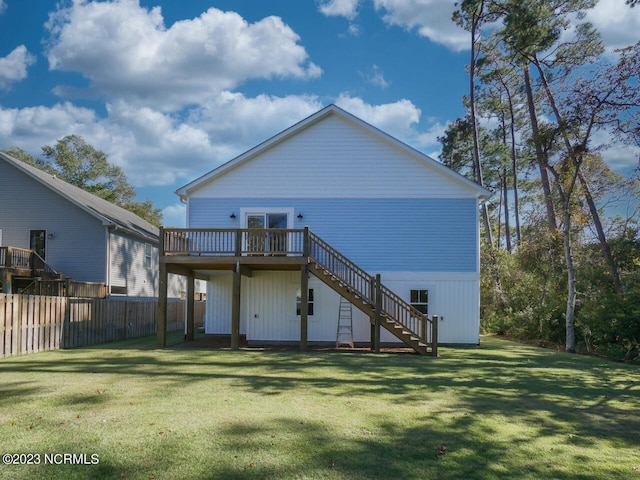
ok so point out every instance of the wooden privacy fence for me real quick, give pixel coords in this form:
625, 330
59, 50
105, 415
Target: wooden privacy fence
31, 323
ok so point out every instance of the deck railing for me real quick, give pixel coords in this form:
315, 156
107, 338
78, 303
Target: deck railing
342, 268
24, 259
233, 242
16, 258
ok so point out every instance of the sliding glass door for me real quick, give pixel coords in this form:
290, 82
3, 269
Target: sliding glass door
270, 242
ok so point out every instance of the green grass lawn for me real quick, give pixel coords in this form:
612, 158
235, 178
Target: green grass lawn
503, 410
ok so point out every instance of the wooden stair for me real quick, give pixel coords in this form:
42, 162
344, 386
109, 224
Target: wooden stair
366, 293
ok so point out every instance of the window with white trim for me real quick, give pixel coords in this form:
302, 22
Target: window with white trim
420, 300
147, 255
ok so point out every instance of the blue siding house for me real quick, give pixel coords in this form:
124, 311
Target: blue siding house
333, 202
76, 233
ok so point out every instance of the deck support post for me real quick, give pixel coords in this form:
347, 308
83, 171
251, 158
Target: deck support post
378, 298
373, 334
304, 306
434, 335
235, 307
162, 295
191, 299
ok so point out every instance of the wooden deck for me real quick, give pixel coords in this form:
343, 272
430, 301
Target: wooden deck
189, 251
223, 249
22, 263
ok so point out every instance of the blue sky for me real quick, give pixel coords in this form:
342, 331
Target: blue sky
170, 90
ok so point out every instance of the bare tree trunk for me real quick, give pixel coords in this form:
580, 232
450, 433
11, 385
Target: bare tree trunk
565, 195
540, 154
604, 244
565, 192
474, 125
505, 188
499, 222
570, 340
507, 226
514, 168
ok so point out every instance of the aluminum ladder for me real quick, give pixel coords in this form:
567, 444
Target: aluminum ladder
344, 334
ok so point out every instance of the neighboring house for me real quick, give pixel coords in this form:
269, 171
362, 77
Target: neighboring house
78, 234
387, 209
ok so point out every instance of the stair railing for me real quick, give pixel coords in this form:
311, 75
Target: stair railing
40, 267
365, 286
343, 269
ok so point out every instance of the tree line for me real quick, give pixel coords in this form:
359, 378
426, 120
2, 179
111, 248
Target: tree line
545, 102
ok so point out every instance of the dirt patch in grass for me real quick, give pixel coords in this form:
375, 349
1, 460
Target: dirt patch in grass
224, 342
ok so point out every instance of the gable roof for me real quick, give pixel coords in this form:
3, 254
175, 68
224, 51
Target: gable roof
106, 212
286, 134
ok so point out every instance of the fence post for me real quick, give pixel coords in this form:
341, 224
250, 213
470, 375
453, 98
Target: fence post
434, 336
19, 321
25, 324
423, 328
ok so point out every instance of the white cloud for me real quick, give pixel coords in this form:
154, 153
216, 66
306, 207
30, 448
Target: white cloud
430, 138
376, 77
157, 148
32, 127
13, 67
126, 51
3, 6
430, 18
354, 29
340, 8
617, 22
397, 119
174, 215
620, 157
